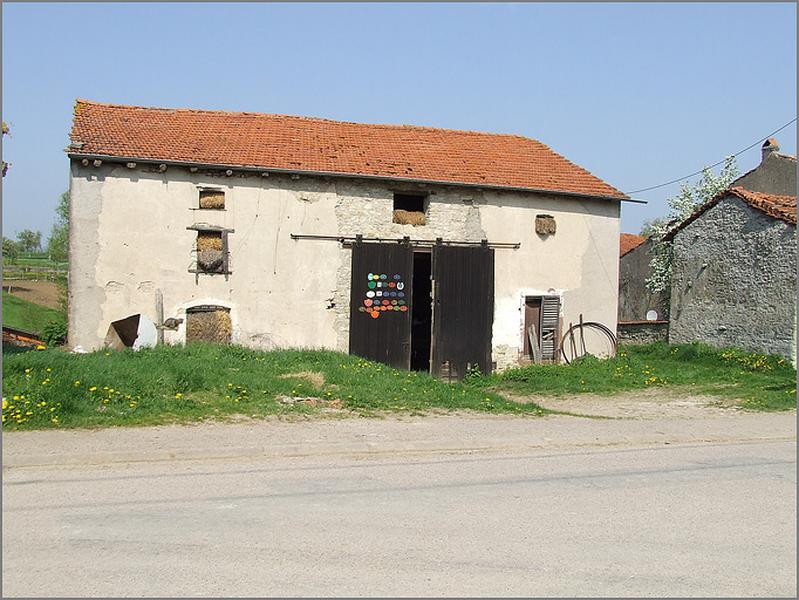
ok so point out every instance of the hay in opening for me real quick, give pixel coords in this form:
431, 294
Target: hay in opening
214, 199
409, 217
209, 251
209, 240
209, 325
545, 224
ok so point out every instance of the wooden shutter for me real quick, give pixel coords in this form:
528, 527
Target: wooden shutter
550, 327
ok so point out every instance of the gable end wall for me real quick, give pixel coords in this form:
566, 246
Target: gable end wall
734, 281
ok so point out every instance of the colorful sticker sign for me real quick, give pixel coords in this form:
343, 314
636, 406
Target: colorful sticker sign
381, 287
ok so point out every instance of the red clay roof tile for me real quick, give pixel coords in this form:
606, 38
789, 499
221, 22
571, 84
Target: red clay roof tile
779, 207
323, 146
629, 242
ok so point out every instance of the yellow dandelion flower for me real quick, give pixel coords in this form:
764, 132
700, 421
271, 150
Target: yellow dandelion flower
28, 370
5, 404
40, 347
93, 388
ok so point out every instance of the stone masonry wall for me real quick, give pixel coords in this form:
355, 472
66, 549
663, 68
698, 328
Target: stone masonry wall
734, 281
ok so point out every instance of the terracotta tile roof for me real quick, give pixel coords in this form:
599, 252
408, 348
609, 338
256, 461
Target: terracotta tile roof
323, 146
629, 242
779, 207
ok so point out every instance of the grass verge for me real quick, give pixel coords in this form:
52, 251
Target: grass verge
27, 315
757, 381
168, 384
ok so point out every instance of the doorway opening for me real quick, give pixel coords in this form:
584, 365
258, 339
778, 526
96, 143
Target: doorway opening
422, 312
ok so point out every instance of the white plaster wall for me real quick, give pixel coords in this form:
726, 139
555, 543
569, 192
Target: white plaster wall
129, 238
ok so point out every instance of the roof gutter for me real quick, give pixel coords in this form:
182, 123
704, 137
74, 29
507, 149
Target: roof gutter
278, 170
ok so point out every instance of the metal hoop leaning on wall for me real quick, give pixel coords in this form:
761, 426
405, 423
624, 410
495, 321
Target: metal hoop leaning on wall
593, 325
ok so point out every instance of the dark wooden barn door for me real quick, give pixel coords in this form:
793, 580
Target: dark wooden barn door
463, 309
380, 303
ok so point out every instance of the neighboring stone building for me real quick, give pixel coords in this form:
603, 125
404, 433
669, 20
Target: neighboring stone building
635, 300
734, 273
276, 231
641, 312
776, 173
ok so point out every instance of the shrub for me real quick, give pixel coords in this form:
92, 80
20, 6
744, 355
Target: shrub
55, 332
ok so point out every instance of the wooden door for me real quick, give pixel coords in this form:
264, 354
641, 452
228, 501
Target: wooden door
463, 310
380, 303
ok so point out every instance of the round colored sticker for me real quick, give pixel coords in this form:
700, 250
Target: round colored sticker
401, 294
375, 314
383, 276
403, 308
370, 294
369, 276
361, 309
391, 284
385, 302
367, 302
394, 302
401, 285
371, 284
401, 302
397, 277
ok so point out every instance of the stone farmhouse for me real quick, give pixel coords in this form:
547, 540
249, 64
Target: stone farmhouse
423, 248
734, 267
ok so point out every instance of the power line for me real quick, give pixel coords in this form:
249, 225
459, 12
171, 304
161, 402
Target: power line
654, 187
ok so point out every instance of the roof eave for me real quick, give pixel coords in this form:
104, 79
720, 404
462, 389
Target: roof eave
177, 163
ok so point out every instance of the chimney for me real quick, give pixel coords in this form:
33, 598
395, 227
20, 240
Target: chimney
769, 146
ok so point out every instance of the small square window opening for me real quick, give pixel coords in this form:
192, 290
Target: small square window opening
409, 209
210, 252
212, 199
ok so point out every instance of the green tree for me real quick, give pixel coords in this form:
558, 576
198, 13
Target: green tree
649, 226
10, 250
58, 244
29, 241
682, 206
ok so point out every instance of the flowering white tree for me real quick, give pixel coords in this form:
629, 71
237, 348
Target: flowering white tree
681, 207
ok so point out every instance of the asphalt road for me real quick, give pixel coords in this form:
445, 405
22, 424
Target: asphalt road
659, 519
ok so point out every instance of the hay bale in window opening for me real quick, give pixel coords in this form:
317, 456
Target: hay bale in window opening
409, 217
545, 224
209, 251
208, 324
214, 199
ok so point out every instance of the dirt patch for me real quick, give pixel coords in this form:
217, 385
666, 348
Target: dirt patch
44, 293
643, 404
315, 378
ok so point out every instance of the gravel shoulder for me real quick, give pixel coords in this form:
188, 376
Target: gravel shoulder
654, 403
629, 420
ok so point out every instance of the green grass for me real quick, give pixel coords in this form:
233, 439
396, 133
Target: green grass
168, 384
179, 384
26, 315
758, 381
34, 259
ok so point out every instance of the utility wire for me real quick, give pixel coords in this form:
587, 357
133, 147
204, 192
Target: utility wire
654, 187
